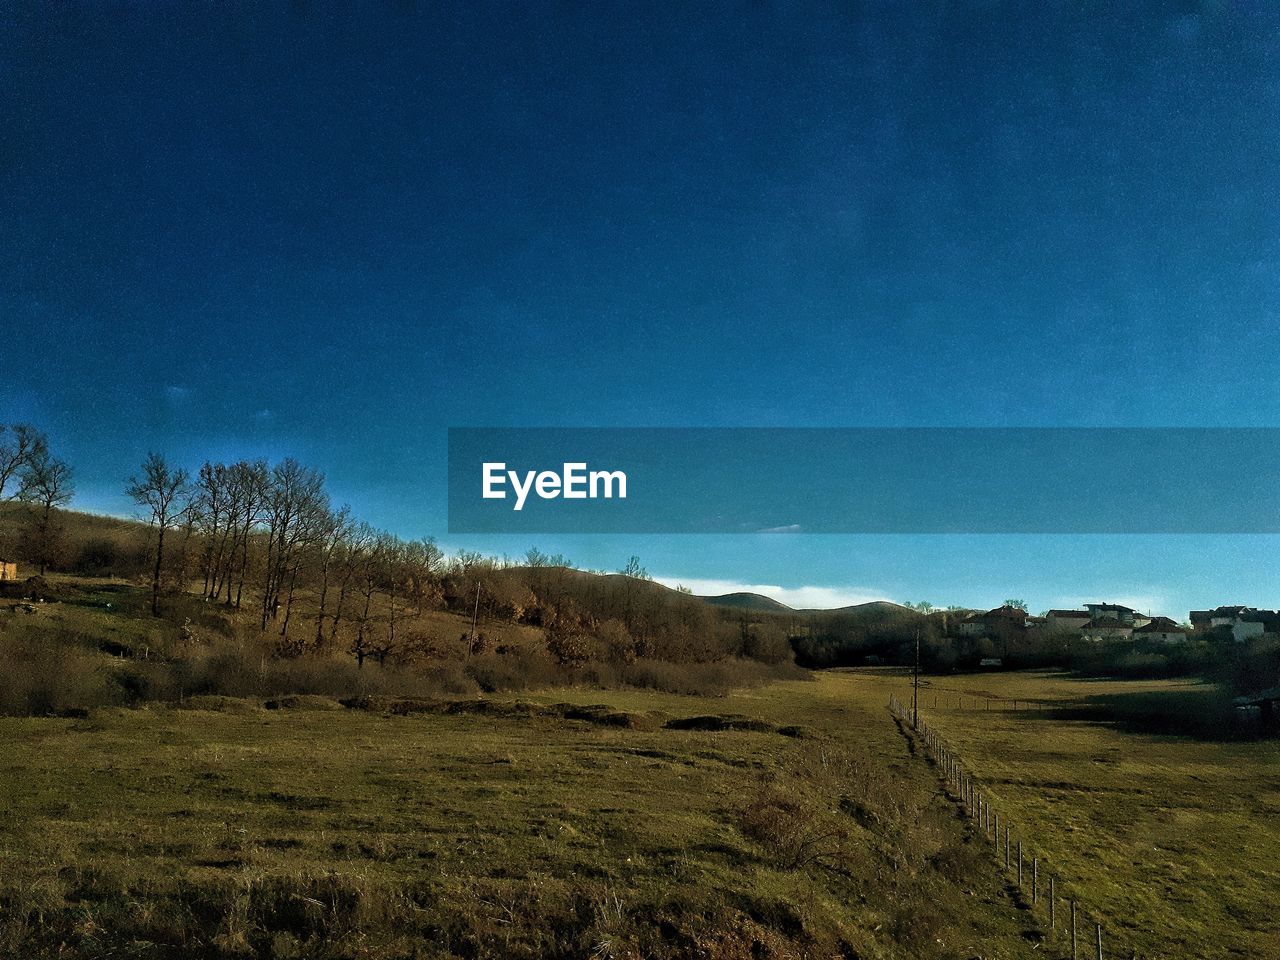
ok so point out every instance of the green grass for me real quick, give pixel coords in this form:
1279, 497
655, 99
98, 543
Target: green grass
1173, 839
216, 827
272, 833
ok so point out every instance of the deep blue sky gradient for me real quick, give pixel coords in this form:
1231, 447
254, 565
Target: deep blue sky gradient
269, 229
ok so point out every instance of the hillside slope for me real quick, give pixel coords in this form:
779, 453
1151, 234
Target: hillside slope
747, 601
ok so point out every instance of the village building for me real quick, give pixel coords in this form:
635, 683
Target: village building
1161, 630
8, 570
1003, 623
1107, 629
1116, 611
976, 623
1243, 623
1066, 621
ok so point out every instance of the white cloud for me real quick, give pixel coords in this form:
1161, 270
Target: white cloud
811, 598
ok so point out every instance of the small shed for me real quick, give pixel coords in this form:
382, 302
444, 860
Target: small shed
8, 571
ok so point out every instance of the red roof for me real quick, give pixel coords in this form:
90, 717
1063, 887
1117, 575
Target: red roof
1160, 625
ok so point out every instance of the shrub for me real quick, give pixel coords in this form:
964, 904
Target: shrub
42, 678
569, 647
517, 670
797, 826
616, 643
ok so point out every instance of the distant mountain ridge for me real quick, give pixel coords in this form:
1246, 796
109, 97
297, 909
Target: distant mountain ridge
757, 601
748, 601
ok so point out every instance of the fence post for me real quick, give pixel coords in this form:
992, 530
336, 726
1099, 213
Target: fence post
1035, 881
1019, 864
1006, 846
1052, 908
1073, 930
1098, 928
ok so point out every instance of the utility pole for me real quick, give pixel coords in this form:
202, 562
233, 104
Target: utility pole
915, 686
475, 616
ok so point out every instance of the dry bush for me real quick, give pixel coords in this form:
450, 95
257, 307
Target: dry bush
568, 646
446, 676
616, 644
520, 669
798, 831
960, 862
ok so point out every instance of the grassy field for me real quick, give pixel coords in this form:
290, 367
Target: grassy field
494, 831
795, 819
1173, 840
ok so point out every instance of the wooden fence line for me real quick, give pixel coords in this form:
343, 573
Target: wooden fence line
979, 806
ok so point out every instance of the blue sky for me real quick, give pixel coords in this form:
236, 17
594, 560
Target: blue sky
243, 231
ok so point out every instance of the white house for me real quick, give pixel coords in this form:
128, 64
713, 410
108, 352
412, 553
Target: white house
1066, 621
1116, 611
1245, 623
1161, 630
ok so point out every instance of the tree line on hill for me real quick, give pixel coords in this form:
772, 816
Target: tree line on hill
267, 540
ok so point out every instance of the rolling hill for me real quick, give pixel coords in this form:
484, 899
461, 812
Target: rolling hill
748, 601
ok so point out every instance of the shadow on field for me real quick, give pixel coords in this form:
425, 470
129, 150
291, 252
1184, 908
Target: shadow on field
1202, 714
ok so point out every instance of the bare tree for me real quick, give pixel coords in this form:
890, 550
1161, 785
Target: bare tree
164, 492
295, 500
358, 543
422, 561
335, 538
249, 485
23, 446
211, 510
370, 563
635, 570
46, 483
392, 552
